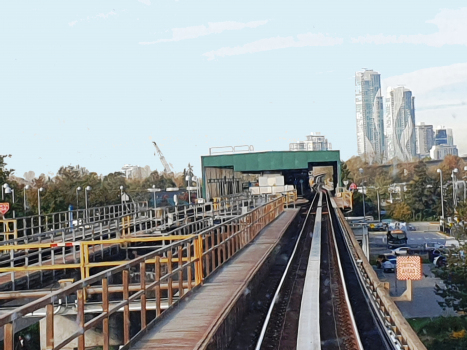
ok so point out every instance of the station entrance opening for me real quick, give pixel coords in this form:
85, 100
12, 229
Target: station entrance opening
231, 173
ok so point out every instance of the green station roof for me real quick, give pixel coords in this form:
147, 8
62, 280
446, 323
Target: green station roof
270, 161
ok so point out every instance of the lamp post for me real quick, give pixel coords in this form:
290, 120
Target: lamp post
77, 196
454, 187
442, 197
465, 169
363, 194
39, 201
154, 190
27, 187
86, 190
121, 197
9, 190
379, 209
195, 179
3, 189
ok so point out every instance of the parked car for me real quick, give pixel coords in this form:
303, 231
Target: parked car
411, 227
390, 265
383, 258
402, 251
433, 246
453, 243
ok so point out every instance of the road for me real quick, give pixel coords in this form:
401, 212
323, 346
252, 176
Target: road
425, 232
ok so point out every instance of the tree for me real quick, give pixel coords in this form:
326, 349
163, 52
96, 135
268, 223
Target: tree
421, 194
454, 276
4, 172
401, 212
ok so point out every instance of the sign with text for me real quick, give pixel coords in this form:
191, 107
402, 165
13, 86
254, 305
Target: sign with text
4, 207
409, 268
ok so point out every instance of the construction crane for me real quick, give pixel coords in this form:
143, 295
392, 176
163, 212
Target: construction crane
166, 165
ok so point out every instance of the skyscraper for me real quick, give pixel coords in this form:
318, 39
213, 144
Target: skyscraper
399, 124
425, 139
370, 117
443, 136
443, 144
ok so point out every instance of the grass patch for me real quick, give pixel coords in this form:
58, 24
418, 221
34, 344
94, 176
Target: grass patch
441, 333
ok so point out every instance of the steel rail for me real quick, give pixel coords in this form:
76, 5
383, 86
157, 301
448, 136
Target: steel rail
279, 287
341, 274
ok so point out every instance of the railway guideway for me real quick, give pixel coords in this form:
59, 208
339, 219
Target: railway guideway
343, 304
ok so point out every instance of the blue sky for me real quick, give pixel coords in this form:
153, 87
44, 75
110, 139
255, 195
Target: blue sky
94, 82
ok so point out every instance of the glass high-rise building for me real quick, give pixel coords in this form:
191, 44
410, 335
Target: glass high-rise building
399, 124
425, 139
370, 117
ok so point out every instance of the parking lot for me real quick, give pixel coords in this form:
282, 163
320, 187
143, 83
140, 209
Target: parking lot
425, 301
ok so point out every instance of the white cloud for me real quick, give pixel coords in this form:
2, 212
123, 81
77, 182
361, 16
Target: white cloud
452, 30
425, 80
88, 18
146, 2
212, 28
307, 39
440, 97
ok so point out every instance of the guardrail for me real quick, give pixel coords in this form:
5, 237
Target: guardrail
43, 252
231, 149
30, 225
400, 331
180, 267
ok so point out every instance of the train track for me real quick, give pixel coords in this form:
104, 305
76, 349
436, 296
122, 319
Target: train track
337, 326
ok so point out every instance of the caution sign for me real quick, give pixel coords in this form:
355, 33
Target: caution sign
4, 207
409, 268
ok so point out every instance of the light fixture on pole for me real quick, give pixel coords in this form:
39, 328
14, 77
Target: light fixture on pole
9, 190
379, 203
442, 196
154, 190
3, 190
77, 196
86, 190
363, 195
121, 196
454, 187
39, 200
465, 169
27, 187
195, 179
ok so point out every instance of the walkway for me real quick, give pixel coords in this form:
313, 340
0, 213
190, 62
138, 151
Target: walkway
193, 324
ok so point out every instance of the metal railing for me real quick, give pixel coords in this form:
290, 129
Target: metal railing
231, 149
399, 330
168, 274
30, 225
59, 249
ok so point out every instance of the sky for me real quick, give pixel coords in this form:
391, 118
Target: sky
95, 82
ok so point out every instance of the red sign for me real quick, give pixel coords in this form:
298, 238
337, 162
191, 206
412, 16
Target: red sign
4, 207
353, 186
